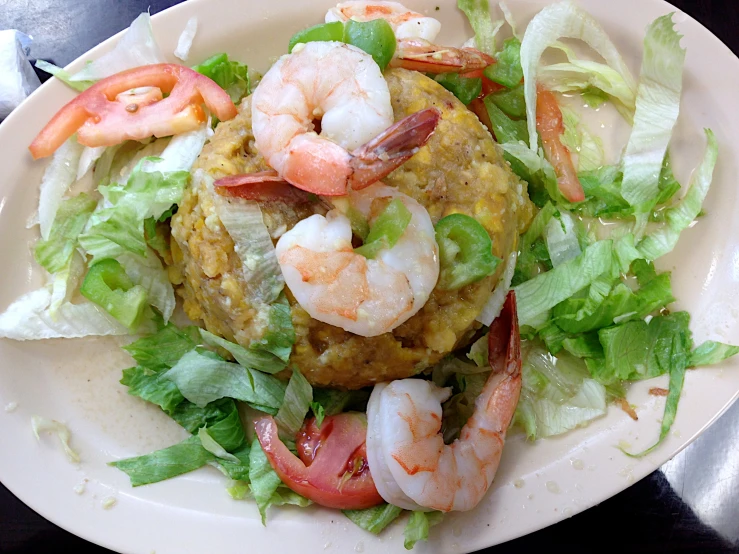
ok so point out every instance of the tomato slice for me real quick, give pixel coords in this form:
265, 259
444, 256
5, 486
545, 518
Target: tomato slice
551, 127
264, 186
332, 469
106, 115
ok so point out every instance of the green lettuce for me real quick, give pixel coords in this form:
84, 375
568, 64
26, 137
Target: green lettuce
231, 76
711, 352
418, 526
374, 519
295, 406
657, 108
55, 252
203, 377
264, 481
478, 14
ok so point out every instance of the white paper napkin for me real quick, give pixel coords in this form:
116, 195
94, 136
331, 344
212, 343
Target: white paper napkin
17, 77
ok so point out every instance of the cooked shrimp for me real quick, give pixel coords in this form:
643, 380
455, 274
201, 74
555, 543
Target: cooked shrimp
405, 23
367, 297
341, 86
410, 464
415, 33
420, 55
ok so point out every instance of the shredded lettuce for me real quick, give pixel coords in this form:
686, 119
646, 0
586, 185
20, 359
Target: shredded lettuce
295, 406
555, 22
212, 446
264, 481
184, 43
252, 243
657, 109
164, 349
135, 48
42, 425
151, 385
231, 76
63, 75
149, 273
680, 217
596, 82
558, 394
204, 377
58, 177
711, 352
540, 294
561, 239
478, 14
495, 303
577, 138
29, 318
55, 252
374, 519
318, 412
418, 526
186, 456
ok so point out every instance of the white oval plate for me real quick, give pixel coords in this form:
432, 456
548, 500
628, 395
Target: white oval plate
537, 485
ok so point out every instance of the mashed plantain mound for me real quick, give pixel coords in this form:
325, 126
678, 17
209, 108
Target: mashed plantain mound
460, 170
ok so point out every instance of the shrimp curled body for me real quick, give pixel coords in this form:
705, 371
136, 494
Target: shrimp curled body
367, 297
410, 464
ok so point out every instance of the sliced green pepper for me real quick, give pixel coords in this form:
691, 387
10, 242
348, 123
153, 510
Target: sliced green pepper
375, 37
387, 229
465, 252
359, 223
505, 129
464, 88
510, 101
107, 285
318, 33
507, 69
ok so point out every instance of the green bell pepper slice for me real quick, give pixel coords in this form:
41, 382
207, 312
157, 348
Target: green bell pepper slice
465, 252
386, 230
107, 285
464, 88
375, 37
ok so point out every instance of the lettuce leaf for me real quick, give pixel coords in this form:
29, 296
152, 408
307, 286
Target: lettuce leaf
230, 75
204, 377
478, 14
149, 273
55, 253
711, 352
374, 519
184, 43
680, 217
558, 394
60, 174
63, 75
540, 294
295, 406
657, 108
264, 481
555, 22
418, 526
164, 349
152, 386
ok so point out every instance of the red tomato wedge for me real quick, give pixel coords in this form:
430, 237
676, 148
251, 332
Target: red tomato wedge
550, 126
332, 469
263, 186
104, 116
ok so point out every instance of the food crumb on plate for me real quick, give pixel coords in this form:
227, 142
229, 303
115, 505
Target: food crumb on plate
108, 502
552, 487
519, 483
81, 487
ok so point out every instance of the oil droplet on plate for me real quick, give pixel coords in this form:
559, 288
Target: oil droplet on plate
11, 407
519, 483
457, 531
552, 487
359, 547
567, 512
578, 464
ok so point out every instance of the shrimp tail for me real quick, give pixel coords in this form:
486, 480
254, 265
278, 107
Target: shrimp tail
420, 55
392, 148
262, 186
504, 340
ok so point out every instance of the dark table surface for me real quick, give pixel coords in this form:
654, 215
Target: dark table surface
689, 505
